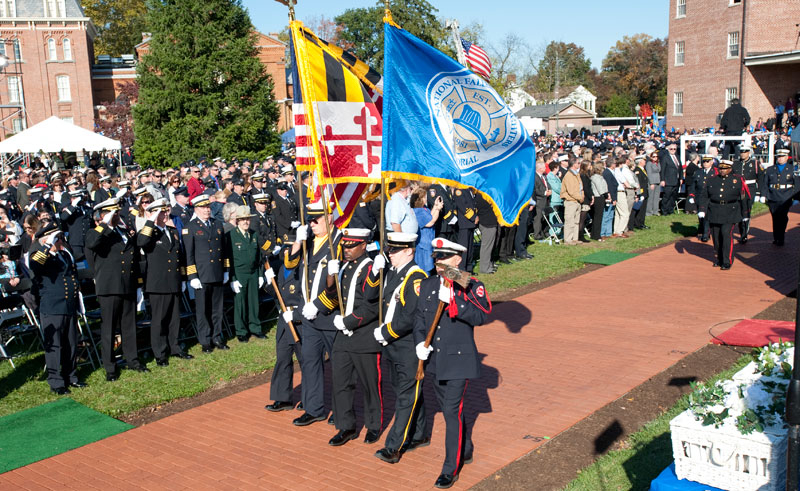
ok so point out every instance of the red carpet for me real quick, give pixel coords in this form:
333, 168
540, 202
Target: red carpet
753, 332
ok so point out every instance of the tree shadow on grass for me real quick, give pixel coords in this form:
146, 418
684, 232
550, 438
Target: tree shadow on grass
683, 229
648, 461
28, 370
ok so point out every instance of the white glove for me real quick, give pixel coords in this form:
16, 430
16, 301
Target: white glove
746, 219
338, 322
379, 336
691, 200
763, 199
423, 352
75, 201
444, 293
260, 281
51, 239
347, 333
701, 214
139, 300
295, 224
121, 192
236, 286
109, 216
288, 315
183, 286
333, 267
276, 250
310, 311
302, 233
225, 276
195, 283
453, 221
378, 263
269, 275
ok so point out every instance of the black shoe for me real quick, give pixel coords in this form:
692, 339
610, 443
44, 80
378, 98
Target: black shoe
278, 406
78, 384
372, 436
524, 256
112, 377
491, 272
208, 349
342, 437
306, 419
779, 243
743, 240
446, 480
725, 267
221, 346
704, 239
414, 444
388, 455
331, 421
139, 368
162, 363
259, 335
62, 391
468, 459
299, 406
183, 355
242, 339
504, 261
645, 227
715, 264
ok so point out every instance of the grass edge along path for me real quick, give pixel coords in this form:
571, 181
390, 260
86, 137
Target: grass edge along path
645, 453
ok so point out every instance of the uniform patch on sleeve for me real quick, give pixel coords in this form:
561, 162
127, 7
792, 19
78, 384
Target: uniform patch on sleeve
417, 285
185, 232
458, 192
480, 291
433, 192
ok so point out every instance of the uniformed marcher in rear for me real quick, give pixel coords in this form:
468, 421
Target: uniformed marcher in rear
747, 167
779, 188
724, 201
452, 356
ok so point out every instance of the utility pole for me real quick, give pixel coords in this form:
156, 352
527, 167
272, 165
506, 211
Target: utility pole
556, 91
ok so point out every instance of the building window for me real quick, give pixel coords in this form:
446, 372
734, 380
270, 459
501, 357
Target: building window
55, 8
18, 125
62, 83
3, 47
52, 55
68, 119
8, 8
734, 2
677, 103
731, 93
681, 9
733, 44
679, 47
14, 90
67, 45
17, 49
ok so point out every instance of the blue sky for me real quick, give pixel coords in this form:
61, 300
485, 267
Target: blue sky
593, 24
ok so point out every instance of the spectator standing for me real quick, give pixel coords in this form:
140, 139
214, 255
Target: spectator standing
599, 190
588, 199
734, 122
426, 219
541, 196
399, 215
611, 200
572, 194
653, 170
487, 224
671, 178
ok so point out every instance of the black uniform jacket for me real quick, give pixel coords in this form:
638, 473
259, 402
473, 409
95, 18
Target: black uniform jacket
696, 186
315, 261
448, 209
206, 253
780, 186
165, 266
465, 208
454, 355
284, 213
724, 199
76, 221
114, 260
409, 279
56, 280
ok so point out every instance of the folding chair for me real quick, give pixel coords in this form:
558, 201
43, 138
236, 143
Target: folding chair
17, 323
555, 226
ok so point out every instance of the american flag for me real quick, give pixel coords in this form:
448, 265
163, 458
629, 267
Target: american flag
478, 59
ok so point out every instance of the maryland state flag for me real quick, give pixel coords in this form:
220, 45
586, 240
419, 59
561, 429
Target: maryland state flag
445, 124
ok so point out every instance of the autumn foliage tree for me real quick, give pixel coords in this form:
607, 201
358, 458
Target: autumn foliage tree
637, 68
115, 119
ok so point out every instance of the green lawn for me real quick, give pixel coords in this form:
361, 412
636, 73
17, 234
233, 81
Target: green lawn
26, 386
644, 454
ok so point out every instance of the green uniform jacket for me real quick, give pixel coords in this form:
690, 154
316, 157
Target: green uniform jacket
244, 253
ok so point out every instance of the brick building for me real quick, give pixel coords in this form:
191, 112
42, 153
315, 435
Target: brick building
46, 49
724, 49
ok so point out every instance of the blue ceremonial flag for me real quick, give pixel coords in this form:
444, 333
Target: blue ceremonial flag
444, 124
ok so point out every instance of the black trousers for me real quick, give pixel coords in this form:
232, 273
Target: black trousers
703, 228
668, 199
281, 385
165, 324
521, 235
60, 349
409, 409
506, 242
639, 215
744, 227
598, 208
316, 343
537, 218
780, 218
366, 368
457, 443
209, 309
466, 238
722, 235
118, 311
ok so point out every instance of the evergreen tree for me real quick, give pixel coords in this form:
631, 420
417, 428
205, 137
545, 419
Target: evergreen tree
202, 89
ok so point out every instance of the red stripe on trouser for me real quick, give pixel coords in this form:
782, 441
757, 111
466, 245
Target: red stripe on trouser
380, 390
730, 253
460, 426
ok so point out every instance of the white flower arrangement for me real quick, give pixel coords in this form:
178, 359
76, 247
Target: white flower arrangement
754, 400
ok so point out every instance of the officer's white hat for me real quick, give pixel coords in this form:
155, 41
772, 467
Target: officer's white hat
104, 179
160, 204
287, 169
261, 197
782, 152
108, 205
745, 147
396, 241
72, 182
355, 235
724, 164
201, 200
123, 183
443, 248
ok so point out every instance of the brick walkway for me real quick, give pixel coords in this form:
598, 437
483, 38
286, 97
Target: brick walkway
551, 358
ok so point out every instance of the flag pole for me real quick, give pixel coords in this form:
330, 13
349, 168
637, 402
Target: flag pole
300, 203
453, 26
380, 249
334, 255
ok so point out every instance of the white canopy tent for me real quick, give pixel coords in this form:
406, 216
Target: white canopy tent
53, 135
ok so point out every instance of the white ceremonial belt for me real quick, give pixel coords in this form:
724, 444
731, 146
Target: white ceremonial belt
750, 181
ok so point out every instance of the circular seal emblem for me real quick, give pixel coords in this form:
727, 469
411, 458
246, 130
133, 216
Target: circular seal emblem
471, 121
